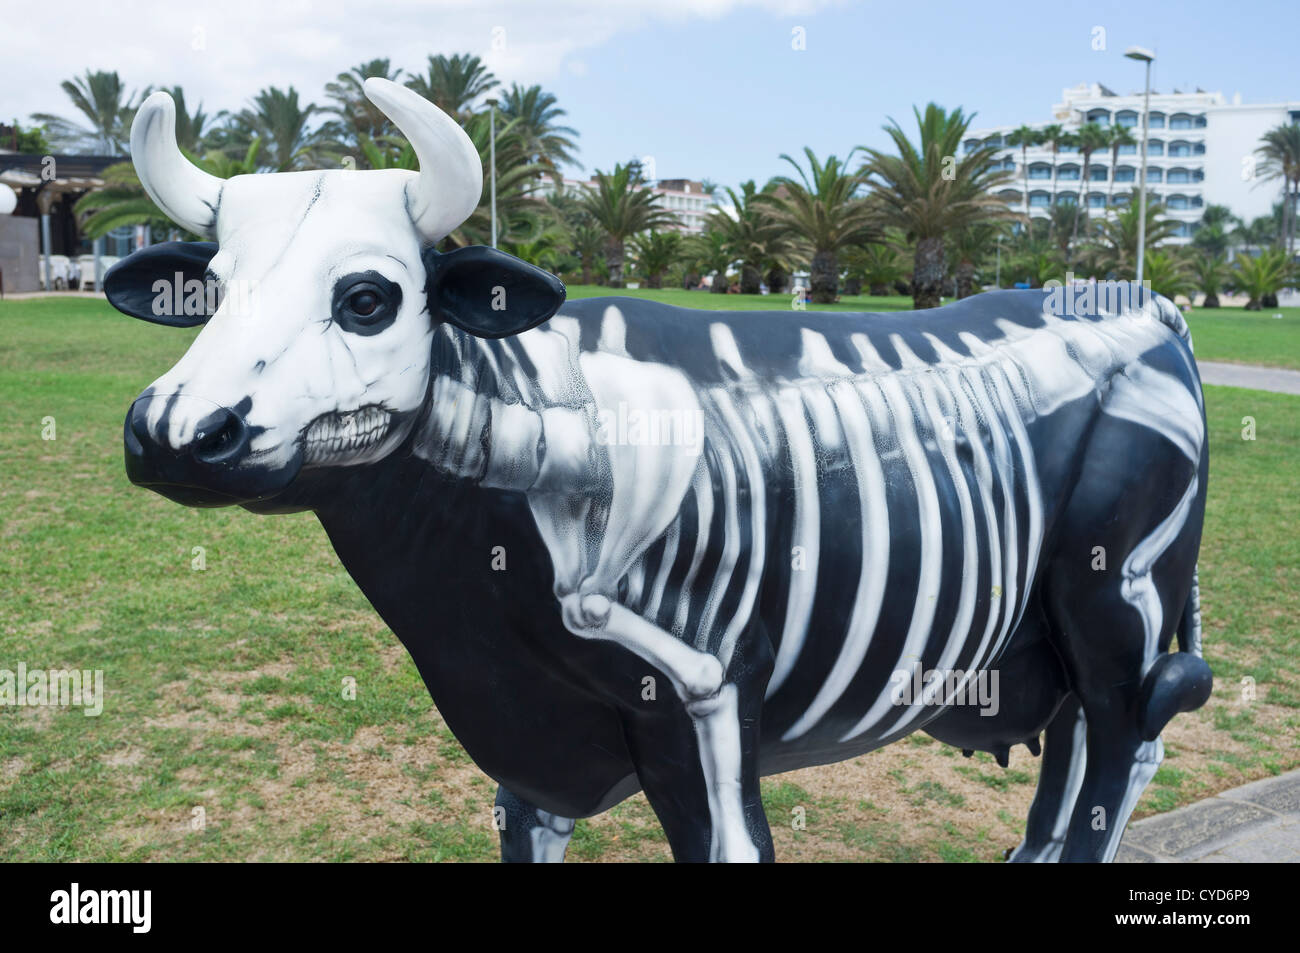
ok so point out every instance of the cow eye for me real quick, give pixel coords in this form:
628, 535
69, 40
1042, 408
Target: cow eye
365, 303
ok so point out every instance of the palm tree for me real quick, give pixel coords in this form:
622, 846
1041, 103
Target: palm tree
1118, 136
709, 252
823, 209
587, 242
749, 230
549, 143
521, 214
1120, 234
1168, 274
1024, 137
1056, 137
358, 118
123, 201
927, 192
1280, 150
1210, 271
656, 252
969, 247
283, 124
1261, 275
880, 265
1216, 231
1035, 258
100, 97
1090, 138
454, 82
620, 203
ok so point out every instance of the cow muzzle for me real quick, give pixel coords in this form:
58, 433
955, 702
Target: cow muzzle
211, 465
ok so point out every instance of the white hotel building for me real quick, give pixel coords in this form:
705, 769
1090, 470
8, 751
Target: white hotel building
1201, 151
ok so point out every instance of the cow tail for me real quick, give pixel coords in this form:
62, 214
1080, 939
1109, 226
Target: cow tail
1177, 681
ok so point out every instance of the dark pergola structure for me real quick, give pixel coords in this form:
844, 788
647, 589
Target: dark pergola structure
48, 186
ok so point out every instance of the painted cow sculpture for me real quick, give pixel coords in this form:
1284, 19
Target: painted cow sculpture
637, 547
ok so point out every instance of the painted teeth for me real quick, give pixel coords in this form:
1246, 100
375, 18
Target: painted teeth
336, 435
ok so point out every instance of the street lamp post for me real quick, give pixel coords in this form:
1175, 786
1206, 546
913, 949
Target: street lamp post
1145, 56
492, 164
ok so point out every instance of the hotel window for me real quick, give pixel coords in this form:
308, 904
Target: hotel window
1039, 200
1097, 174
1126, 173
1155, 147
1178, 202
1099, 115
1156, 121
1155, 175
1068, 173
1178, 176
1129, 150
1040, 170
970, 145
1126, 118
1068, 198
1096, 200
1179, 148
1180, 121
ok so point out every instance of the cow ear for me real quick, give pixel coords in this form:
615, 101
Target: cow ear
145, 284
488, 293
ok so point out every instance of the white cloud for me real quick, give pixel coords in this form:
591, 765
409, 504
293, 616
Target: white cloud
223, 54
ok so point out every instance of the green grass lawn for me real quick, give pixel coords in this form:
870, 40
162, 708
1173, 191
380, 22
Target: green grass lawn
226, 734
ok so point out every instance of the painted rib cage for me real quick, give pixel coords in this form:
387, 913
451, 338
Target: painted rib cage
867, 523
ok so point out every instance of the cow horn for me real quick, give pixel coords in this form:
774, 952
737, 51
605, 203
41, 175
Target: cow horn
185, 193
451, 172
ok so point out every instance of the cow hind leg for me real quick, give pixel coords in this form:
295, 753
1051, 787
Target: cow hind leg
1059, 780
530, 835
1118, 583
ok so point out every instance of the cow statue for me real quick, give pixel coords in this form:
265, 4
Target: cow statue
634, 547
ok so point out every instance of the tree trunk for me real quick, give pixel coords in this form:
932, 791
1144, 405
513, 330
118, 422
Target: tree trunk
1253, 305
1269, 300
1211, 300
586, 273
777, 281
614, 262
655, 281
853, 285
928, 272
824, 277
719, 286
965, 279
1024, 168
750, 279
1081, 206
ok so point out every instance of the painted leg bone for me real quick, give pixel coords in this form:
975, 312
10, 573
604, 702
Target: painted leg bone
530, 835
697, 678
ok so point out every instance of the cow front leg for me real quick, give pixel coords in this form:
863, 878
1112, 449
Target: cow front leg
725, 760
530, 835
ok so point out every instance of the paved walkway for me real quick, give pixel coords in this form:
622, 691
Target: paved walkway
1255, 823
1276, 379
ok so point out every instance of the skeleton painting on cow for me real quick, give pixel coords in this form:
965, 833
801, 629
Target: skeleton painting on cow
820, 532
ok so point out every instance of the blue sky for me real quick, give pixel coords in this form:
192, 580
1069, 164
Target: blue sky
709, 88
725, 99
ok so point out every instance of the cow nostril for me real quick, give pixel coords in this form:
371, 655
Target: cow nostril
219, 437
